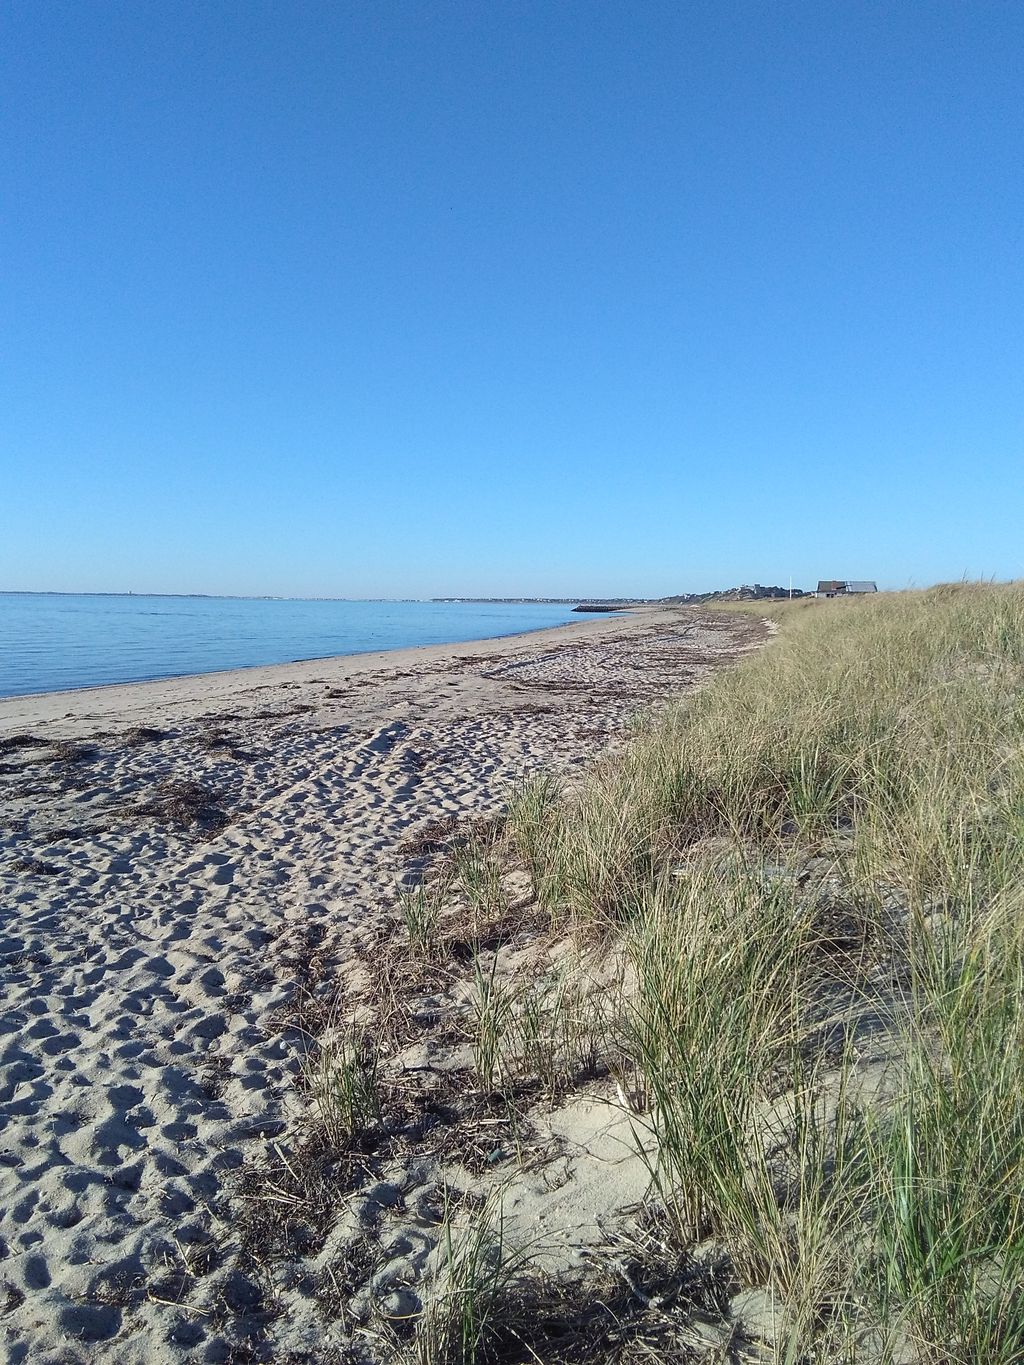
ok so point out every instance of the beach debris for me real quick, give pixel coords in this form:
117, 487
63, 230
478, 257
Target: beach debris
70, 751
185, 803
23, 741
143, 734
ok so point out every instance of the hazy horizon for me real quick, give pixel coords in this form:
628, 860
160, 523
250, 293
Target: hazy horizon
440, 596
315, 597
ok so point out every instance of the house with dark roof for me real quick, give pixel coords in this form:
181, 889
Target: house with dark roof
844, 587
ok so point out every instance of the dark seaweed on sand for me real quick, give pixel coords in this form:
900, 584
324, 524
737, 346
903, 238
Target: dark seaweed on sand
34, 867
449, 832
65, 833
185, 804
68, 751
299, 709
11, 742
142, 734
216, 741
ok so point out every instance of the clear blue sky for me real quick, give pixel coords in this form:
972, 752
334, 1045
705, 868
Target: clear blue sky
391, 298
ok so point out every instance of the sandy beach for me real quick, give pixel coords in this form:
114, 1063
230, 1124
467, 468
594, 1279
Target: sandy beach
186, 868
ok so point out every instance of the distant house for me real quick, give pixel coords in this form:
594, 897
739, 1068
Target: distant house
844, 587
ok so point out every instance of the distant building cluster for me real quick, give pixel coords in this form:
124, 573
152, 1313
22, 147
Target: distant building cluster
844, 587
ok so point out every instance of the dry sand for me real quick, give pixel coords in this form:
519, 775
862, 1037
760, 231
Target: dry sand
160, 947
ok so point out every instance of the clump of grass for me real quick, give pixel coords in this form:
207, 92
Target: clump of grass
589, 851
477, 870
831, 833
421, 911
344, 1079
565, 1028
947, 1157
551, 1029
714, 956
492, 1021
530, 815
472, 1304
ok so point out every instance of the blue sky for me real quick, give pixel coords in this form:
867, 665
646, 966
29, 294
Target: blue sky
507, 297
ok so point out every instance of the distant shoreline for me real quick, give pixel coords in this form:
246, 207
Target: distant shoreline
275, 597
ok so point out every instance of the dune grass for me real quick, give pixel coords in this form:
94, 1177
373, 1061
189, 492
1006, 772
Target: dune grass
832, 831
342, 1076
469, 1307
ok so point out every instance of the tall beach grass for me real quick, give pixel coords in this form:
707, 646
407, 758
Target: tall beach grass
814, 870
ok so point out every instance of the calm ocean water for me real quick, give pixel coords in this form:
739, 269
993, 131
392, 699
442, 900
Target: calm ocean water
50, 641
